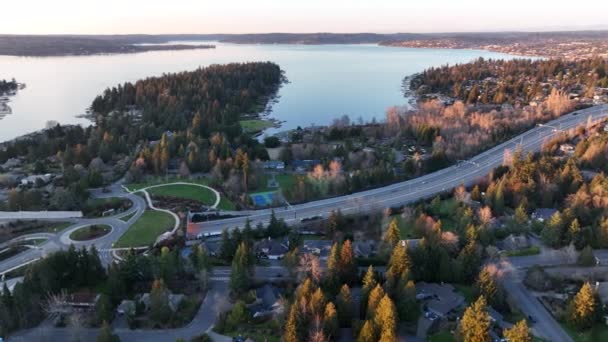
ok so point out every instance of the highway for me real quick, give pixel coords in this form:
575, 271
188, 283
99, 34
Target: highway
467, 172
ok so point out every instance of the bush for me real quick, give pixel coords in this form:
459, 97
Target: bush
272, 142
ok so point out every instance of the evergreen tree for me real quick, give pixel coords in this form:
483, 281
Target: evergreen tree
374, 300
586, 257
486, 286
582, 308
475, 323
106, 335
291, 326
367, 332
385, 319
227, 246
330, 321
348, 267
160, 311
368, 284
518, 333
240, 276
344, 305
392, 236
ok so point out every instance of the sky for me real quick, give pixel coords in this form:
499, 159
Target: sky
260, 16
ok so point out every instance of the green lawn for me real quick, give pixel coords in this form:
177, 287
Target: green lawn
406, 228
128, 217
443, 336
533, 250
467, 291
256, 125
598, 333
146, 229
191, 192
284, 181
90, 232
164, 180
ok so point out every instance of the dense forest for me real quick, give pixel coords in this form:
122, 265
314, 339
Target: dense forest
490, 81
8, 86
187, 120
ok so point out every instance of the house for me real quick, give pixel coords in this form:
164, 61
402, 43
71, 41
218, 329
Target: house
212, 247
273, 249
35, 180
305, 165
515, 242
126, 307
566, 148
82, 300
439, 299
365, 249
268, 302
274, 165
543, 214
173, 299
410, 243
320, 248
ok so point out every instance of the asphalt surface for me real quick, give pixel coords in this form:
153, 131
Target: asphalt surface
467, 172
61, 240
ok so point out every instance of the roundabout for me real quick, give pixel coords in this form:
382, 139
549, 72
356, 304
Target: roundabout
87, 233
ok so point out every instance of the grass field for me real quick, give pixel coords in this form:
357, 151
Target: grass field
253, 126
191, 192
598, 333
146, 229
90, 232
57, 227
533, 250
128, 217
443, 336
164, 180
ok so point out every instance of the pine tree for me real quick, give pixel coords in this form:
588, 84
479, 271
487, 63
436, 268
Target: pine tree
344, 305
291, 326
475, 323
317, 302
399, 264
518, 333
106, 335
367, 332
582, 308
374, 300
586, 258
392, 236
240, 273
159, 302
330, 321
368, 284
385, 319
348, 268
332, 280
486, 286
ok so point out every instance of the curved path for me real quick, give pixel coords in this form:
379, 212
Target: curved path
215, 192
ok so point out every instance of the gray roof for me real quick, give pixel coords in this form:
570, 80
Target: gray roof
272, 247
444, 297
543, 213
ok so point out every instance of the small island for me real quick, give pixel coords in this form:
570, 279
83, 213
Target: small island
7, 89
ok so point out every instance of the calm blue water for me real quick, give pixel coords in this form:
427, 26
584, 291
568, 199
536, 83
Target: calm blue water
326, 81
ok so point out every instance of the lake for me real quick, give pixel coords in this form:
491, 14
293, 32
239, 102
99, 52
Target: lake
325, 81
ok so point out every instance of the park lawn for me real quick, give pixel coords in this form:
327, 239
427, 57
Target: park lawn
90, 232
128, 217
467, 291
598, 333
146, 229
444, 336
255, 125
405, 228
286, 181
533, 250
191, 192
165, 180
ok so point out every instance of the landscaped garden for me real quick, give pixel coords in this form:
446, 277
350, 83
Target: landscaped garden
146, 229
90, 232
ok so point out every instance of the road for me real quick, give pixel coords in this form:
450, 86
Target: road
61, 240
215, 301
424, 187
